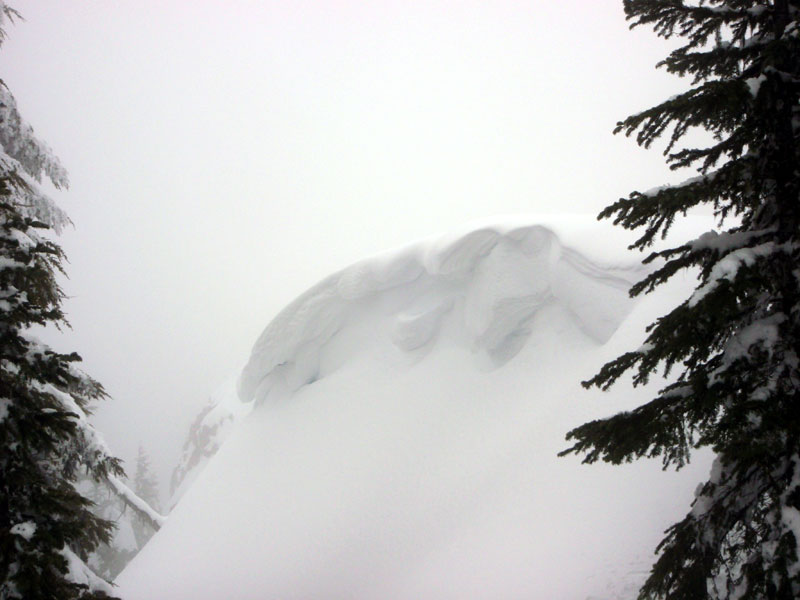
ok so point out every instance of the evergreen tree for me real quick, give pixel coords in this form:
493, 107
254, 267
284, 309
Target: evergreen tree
733, 345
145, 485
109, 559
47, 528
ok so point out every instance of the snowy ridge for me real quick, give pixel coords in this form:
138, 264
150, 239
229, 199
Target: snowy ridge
395, 434
501, 271
491, 280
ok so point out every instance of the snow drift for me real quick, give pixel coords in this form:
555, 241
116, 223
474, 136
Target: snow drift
395, 432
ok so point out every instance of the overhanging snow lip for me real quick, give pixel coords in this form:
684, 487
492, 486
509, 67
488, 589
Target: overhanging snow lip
317, 315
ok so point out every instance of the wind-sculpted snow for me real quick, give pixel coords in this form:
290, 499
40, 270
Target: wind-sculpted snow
396, 434
489, 283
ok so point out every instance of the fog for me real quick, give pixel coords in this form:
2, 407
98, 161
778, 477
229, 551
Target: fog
224, 156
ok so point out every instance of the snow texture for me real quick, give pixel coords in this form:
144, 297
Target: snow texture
25, 159
404, 420
79, 572
476, 275
24, 530
728, 267
131, 499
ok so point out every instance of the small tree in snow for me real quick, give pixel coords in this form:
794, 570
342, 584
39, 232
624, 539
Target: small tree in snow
734, 343
108, 559
145, 485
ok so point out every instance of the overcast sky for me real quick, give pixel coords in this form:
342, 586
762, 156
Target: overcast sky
226, 155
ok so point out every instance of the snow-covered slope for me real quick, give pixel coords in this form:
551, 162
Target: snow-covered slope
406, 415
